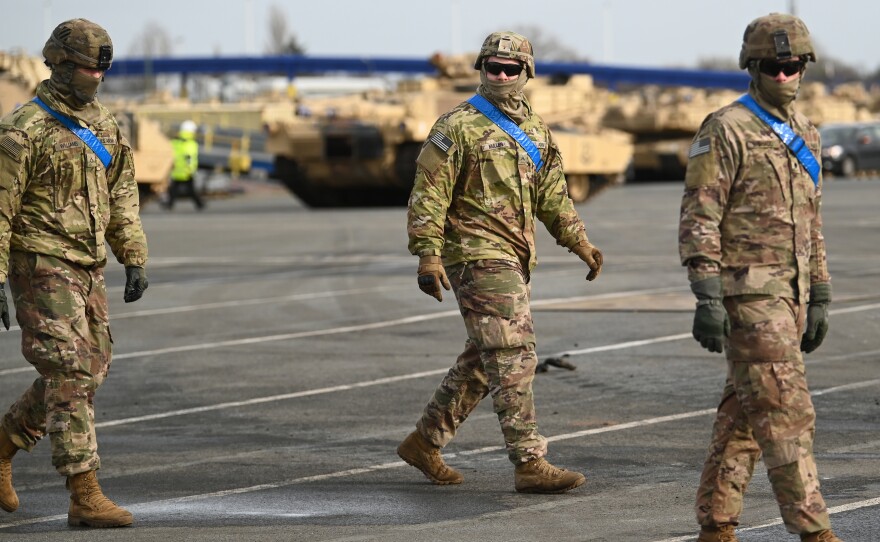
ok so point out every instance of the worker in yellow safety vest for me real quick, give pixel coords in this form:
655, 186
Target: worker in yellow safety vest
186, 163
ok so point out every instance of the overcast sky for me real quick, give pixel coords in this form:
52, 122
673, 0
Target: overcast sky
653, 33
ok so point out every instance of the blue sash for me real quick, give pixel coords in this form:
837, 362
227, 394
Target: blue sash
494, 114
794, 142
83, 133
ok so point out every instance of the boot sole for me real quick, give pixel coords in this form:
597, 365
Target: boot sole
579, 483
99, 524
433, 480
8, 508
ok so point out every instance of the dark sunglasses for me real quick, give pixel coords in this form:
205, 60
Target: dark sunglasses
512, 70
772, 67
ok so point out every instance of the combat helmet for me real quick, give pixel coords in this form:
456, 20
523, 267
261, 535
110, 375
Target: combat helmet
777, 36
507, 45
81, 42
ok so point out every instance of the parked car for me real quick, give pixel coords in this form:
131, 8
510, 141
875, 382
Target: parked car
850, 148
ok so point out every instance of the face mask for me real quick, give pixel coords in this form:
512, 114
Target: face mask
76, 88
84, 86
780, 94
502, 91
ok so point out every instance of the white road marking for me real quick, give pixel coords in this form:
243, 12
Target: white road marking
831, 511
397, 464
390, 323
340, 330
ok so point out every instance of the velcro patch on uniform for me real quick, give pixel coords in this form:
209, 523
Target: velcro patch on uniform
432, 156
494, 145
441, 141
700, 146
12, 148
68, 144
541, 144
107, 140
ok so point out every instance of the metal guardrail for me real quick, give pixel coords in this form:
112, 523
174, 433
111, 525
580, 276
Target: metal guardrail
292, 65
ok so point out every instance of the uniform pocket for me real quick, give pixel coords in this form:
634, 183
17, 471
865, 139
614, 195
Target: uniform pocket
64, 180
497, 288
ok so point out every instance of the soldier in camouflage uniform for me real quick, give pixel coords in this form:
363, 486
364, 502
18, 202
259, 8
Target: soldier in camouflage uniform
59, 203
750, 236
471, 221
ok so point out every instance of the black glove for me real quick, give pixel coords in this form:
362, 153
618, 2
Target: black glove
711, 323
817, 316
4, 307
135, 283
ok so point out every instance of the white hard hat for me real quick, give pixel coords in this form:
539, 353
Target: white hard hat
188, 126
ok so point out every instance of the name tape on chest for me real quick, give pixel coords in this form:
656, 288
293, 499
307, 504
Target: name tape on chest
84, 134
794, 142
501, 120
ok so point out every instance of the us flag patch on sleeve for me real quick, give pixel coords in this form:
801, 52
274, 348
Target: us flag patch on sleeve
11, 147
700, 146
441, 141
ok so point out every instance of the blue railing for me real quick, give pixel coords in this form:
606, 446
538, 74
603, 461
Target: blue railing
293, 65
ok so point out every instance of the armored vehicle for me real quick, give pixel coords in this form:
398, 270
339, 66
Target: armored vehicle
19, 76
151, 150
663, 123
360, 150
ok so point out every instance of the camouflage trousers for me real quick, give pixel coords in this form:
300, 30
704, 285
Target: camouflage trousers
65, 335
766, 410
499, 359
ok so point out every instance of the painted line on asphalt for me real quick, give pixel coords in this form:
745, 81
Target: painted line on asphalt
333, 389
396, 322
348, 329
487, 449
244, 302
849, 507
363, 384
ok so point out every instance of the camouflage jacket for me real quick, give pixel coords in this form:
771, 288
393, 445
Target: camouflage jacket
477, 193
57, 199
750, 210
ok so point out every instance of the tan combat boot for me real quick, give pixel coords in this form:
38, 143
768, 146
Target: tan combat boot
8, 498
89, 507
821, 536
539, 476
426, 457
717, 533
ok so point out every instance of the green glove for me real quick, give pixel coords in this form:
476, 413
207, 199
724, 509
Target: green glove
711, 323
135, 283
817, 316
431, 276
591, 256
4, 307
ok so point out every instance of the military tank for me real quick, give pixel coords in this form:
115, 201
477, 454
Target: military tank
151, 151
19, 76
663, 122
360, 150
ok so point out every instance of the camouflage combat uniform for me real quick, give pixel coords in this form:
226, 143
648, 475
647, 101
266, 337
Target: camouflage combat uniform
750, 213
58, 206
475, 201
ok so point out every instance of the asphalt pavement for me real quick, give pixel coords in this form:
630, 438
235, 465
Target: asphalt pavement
260, 387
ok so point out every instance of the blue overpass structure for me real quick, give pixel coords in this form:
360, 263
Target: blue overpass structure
293, 65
